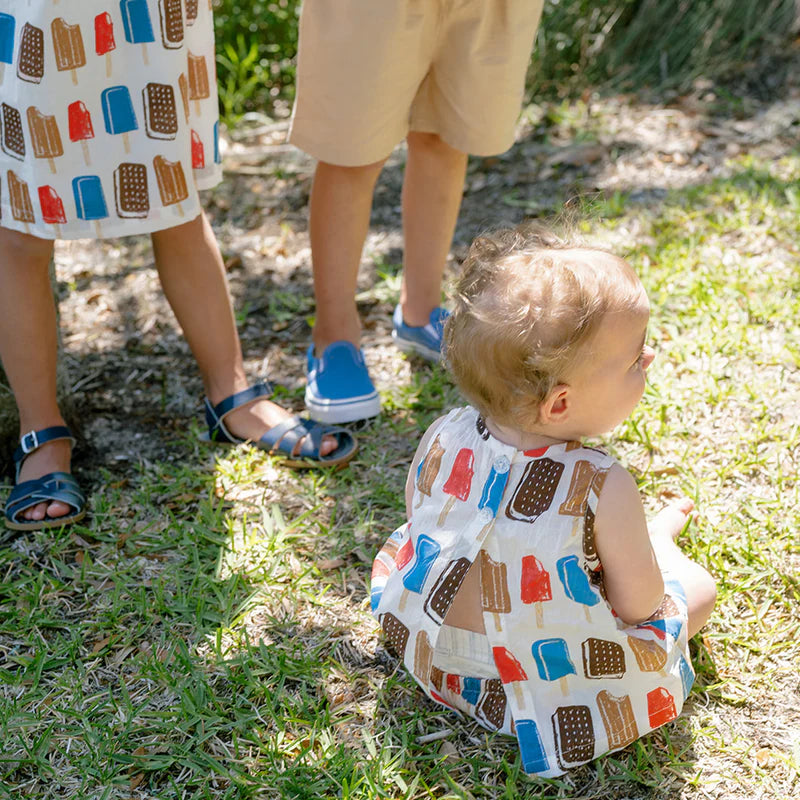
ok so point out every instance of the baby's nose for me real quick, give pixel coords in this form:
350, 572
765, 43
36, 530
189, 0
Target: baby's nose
648, 355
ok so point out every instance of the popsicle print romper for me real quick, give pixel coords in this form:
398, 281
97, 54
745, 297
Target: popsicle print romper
108, 115
569, 678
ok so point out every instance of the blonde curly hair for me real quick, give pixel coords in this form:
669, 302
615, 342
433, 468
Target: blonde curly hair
527, 305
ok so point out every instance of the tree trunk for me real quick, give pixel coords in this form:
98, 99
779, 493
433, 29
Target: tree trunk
9, 419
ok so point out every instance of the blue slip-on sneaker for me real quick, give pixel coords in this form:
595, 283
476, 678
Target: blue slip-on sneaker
424, 340
339, 388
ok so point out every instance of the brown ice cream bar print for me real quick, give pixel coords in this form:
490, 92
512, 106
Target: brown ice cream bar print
666, 609
492, 706
13, 141
171, 23
68, 47
429, 468
30, 62
579, 486
423, 657
191, 12
535, 492
171, 181
396, 634
198, 80
438, 602
574, 735
650, 656
45, 136
603, 659
618, 719
183, 85
160, 112
131, 192
21, 206
437, 678
494, 588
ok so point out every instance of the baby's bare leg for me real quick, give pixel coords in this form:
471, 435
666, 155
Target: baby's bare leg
701, 590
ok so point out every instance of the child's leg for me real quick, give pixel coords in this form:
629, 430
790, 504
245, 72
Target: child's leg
28, 350
701, 590
339, 209
193, 277
432, 191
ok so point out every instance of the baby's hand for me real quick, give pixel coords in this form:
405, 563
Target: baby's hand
672, 519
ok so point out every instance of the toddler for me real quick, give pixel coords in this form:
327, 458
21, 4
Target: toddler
527, 589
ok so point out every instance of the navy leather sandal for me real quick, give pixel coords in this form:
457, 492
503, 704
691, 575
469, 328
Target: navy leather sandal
283, 437
60, 487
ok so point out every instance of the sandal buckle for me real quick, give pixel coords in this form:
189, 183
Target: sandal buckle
24, 442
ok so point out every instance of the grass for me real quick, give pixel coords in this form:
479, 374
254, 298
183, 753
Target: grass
207, 635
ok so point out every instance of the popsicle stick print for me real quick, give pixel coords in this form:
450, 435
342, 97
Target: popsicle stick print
459, 483
495, 598
511, 672
104, 41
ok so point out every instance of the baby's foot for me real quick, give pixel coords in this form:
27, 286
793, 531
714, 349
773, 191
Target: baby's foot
254, 420
671, 520
50, 457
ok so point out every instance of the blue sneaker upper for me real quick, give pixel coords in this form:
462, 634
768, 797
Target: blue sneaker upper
339, 388
425, 340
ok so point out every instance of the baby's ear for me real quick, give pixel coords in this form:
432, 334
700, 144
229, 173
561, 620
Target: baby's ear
554, 410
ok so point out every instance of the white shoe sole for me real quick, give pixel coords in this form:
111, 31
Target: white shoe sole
418, 349
336, 412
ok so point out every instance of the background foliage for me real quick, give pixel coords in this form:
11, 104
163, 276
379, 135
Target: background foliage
612, 44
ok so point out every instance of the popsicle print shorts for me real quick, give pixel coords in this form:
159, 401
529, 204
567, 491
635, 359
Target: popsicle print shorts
370, 71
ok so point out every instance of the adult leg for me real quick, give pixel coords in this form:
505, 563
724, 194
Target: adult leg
701, 590
432, 191
193, 277
341, 200
28, 350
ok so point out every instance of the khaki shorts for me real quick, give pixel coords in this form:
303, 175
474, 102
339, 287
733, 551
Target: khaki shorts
370, 71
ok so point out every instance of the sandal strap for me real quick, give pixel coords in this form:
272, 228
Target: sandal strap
33, 440
214, 414
285, 436
60, 487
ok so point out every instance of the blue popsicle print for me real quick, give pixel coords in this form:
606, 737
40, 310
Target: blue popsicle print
375, 597
136, 21
495, 485
552, 659
90, 201
118, 113
217, 154
472, 689
675, 588
575, 581
687, 676
427, 550
7, 29
534, 757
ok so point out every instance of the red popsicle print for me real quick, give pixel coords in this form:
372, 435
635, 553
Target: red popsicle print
104, 41
511, 671
198, 153
459, 482
454, 684
80, 127
660, 707
535, 585
52, 206
404, 554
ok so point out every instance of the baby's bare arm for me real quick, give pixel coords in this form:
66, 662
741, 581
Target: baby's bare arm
631, 573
